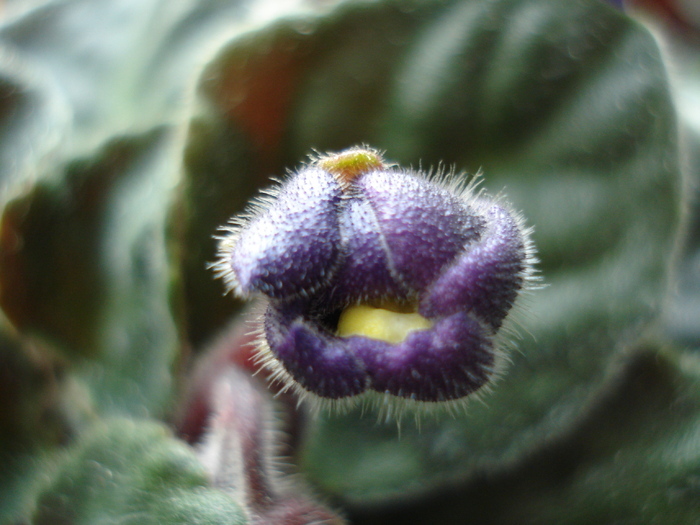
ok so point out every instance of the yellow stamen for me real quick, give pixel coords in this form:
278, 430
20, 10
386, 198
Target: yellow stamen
348, 164
380, 323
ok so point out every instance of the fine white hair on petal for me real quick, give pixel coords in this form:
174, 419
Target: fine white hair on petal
231, 232
466, 193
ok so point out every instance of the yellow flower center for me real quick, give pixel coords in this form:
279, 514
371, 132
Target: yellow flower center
383, 324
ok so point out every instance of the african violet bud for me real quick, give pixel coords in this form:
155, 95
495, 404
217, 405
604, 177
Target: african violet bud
382, 283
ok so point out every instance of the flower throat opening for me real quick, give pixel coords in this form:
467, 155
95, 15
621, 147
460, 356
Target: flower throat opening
391, 322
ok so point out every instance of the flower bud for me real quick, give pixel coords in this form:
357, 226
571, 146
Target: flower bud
381, 282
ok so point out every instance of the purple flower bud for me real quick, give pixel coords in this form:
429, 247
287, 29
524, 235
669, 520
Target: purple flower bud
380, 281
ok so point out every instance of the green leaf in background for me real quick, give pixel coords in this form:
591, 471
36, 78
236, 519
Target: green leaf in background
633, 458
97, 99
566, 106
133, 472
93, 99
681, 50
34, 118
92, 272
41, 408
120, 66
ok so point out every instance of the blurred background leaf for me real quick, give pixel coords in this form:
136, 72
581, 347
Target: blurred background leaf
135, 470
95, 98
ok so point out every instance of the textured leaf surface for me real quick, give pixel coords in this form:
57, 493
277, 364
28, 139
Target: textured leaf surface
34, 118
566, 107
91, 271
125, 471
93, 95
633, 458
39, 410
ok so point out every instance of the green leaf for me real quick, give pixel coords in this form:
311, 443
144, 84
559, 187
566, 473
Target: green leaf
632, 458
124, 471
93, 98
34, 118
97, 102
121, 66
240, 133
92, 270
39, 412
682, 310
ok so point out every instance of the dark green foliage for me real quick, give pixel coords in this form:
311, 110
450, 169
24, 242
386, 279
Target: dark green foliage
131, 471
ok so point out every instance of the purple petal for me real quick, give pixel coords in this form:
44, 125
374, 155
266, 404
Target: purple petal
423, 225
365, 274
318, 361
292, 248
449, 361
486, 279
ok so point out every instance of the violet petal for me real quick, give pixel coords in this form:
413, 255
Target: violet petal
487, 277
291, 248
366, 273
318, 361
423, 225
449, 361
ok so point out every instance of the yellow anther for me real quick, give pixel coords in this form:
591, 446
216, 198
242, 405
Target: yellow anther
379, 323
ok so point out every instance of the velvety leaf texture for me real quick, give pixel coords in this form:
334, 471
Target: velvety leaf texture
133, 472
